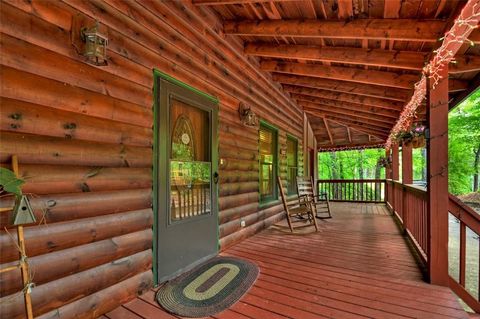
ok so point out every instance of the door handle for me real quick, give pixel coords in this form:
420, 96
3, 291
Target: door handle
215, 177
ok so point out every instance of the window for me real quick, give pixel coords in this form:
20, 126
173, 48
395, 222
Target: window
292, 165
268, 163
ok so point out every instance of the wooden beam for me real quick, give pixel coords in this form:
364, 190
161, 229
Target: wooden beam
345, 97
344, 87
359, 126
388, 29
381, 78
360, 116
475, 36
391, 9
407, 164
224, 2
437, 180
325, 122
395, 163
374, 125
388, 168
345, 9
375, 57
349, 134
348, 106
464, 63
474, 84
455, 85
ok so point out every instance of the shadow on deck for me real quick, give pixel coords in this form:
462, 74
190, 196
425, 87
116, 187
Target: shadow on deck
357, 266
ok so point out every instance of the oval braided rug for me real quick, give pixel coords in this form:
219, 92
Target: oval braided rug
208, 288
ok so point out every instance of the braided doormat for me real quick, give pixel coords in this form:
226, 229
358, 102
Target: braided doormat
208, 288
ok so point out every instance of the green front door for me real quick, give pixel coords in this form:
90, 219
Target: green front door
186, 177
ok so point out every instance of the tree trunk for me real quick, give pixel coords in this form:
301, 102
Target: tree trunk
378, 170
360, 173
335, 173
424, 167
476, 169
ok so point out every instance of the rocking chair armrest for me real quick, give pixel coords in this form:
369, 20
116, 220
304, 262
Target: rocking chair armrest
304, 199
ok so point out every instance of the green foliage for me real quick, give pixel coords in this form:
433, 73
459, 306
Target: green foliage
9, 182
463, 142
354, 164
419, 156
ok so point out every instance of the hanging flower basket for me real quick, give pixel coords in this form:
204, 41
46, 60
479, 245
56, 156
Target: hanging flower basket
418, 142
384, 161
414, 137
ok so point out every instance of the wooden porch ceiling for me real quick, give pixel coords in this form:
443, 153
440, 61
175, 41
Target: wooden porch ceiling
350, 64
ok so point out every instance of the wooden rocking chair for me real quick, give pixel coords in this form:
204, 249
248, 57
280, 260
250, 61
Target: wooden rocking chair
298, 209
319, 202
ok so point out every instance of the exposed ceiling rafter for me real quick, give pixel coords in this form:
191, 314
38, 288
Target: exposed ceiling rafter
355, 75
348, 106
372, 57
325, 122
400, 95
344, 97
398, 29
376, 121
223, 2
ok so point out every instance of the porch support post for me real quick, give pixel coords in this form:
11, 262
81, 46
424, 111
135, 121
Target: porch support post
395, 163
388, 168
407, 165
437, 178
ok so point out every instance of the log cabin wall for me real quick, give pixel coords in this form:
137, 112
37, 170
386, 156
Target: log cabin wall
310, 143
83, 136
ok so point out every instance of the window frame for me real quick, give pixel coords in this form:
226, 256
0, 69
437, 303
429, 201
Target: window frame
274, 196
295, 140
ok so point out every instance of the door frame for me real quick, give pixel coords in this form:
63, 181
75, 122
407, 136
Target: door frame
157, 76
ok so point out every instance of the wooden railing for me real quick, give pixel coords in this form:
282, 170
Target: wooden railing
409, 204
189, 200
353, 190
466, 282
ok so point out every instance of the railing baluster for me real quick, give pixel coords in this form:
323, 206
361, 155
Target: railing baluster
463, 252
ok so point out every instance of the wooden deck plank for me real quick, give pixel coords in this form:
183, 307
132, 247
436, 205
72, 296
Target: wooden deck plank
122, 313
349, 279
229, 314
146, 310
357, 266
355, 289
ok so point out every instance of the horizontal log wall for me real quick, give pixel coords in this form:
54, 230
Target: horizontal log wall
83, 136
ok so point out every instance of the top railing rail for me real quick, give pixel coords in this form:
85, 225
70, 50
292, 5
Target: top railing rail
353, 190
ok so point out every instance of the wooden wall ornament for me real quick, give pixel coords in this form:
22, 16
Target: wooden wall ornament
247, 116
25, 216
183, 139
22, 212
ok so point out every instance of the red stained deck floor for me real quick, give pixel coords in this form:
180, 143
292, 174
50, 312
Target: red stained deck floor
357, 266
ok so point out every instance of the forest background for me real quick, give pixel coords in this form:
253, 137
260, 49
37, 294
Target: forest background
463, 154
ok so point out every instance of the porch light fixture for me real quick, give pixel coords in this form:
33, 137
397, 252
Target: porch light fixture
95, 50
247, 116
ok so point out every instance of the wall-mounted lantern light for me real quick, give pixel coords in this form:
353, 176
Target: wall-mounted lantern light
95, 49
247, 116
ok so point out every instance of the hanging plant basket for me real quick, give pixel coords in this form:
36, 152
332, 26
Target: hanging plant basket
418, 141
